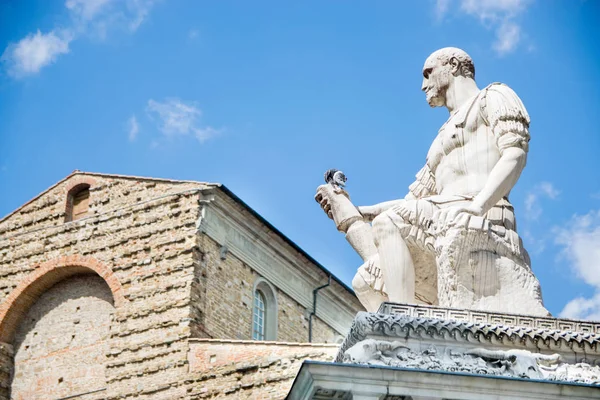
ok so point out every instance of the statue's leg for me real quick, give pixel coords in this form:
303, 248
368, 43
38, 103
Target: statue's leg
395, 260
360, 237
364, 283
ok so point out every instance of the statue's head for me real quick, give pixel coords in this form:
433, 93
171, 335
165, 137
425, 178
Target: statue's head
440, 68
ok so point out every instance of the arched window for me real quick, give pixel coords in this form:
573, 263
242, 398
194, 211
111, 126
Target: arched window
78, 202
264, 311
258, 319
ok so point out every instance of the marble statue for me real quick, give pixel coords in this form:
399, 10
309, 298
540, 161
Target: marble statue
452, 240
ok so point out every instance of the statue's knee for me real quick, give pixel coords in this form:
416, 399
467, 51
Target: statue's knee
382, 227
359, 284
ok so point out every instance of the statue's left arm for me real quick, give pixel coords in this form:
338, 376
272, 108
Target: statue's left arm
508, 119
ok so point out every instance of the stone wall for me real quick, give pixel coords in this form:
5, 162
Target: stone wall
237, 369
6, 369
142, 233
225, 290
60, 346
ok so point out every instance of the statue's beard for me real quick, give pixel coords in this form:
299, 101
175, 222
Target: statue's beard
436, 95
435, 99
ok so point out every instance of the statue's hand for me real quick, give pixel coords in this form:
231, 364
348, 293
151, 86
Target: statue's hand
337, 205
451, 216
323, 198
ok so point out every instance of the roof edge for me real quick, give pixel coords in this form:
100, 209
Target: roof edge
286, 239
78, 172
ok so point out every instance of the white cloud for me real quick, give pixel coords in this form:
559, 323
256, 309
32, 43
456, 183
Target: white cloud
178, 118
100, 14
97, 17
507, 37
441, 8
35, 51
87, 9
497, 14
582, 308
203, 134
535, 245
580, 240
139, 10
487, 10
549, 190
133, 128
532, 204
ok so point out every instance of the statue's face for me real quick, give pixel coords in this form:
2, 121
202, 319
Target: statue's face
436, 80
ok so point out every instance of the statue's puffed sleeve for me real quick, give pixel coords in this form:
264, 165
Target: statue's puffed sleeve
506, 115
424, 185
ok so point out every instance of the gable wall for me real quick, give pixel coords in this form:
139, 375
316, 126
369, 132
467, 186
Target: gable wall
146, 237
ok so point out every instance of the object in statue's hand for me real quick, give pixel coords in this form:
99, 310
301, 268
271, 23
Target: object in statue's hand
335, 201
336, 178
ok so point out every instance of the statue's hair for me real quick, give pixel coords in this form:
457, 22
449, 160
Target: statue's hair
466, 68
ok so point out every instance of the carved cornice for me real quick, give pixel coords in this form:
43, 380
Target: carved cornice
423, 311
398, 326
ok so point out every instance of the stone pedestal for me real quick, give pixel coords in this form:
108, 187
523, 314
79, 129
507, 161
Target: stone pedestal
415, 352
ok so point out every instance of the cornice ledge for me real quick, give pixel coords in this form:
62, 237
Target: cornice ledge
404, 326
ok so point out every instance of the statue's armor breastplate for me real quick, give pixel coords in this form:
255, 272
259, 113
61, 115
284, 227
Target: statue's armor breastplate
464, 149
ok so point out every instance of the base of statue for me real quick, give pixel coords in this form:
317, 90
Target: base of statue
415, 352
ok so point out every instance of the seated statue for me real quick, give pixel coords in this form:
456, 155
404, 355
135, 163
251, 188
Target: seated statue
452, 240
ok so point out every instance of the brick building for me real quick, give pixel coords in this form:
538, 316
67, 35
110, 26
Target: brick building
126, 287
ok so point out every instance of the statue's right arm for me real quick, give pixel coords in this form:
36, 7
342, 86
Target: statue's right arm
423, 186
370, 212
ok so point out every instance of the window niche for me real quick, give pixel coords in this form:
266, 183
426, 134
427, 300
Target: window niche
78, 202
264, 311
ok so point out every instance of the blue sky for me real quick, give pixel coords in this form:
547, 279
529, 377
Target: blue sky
265, 96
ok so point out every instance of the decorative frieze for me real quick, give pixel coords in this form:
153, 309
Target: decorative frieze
423, 311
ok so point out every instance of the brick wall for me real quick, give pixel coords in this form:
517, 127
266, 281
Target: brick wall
145, 236
224, 369
60, 345
6, 369
225, 290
